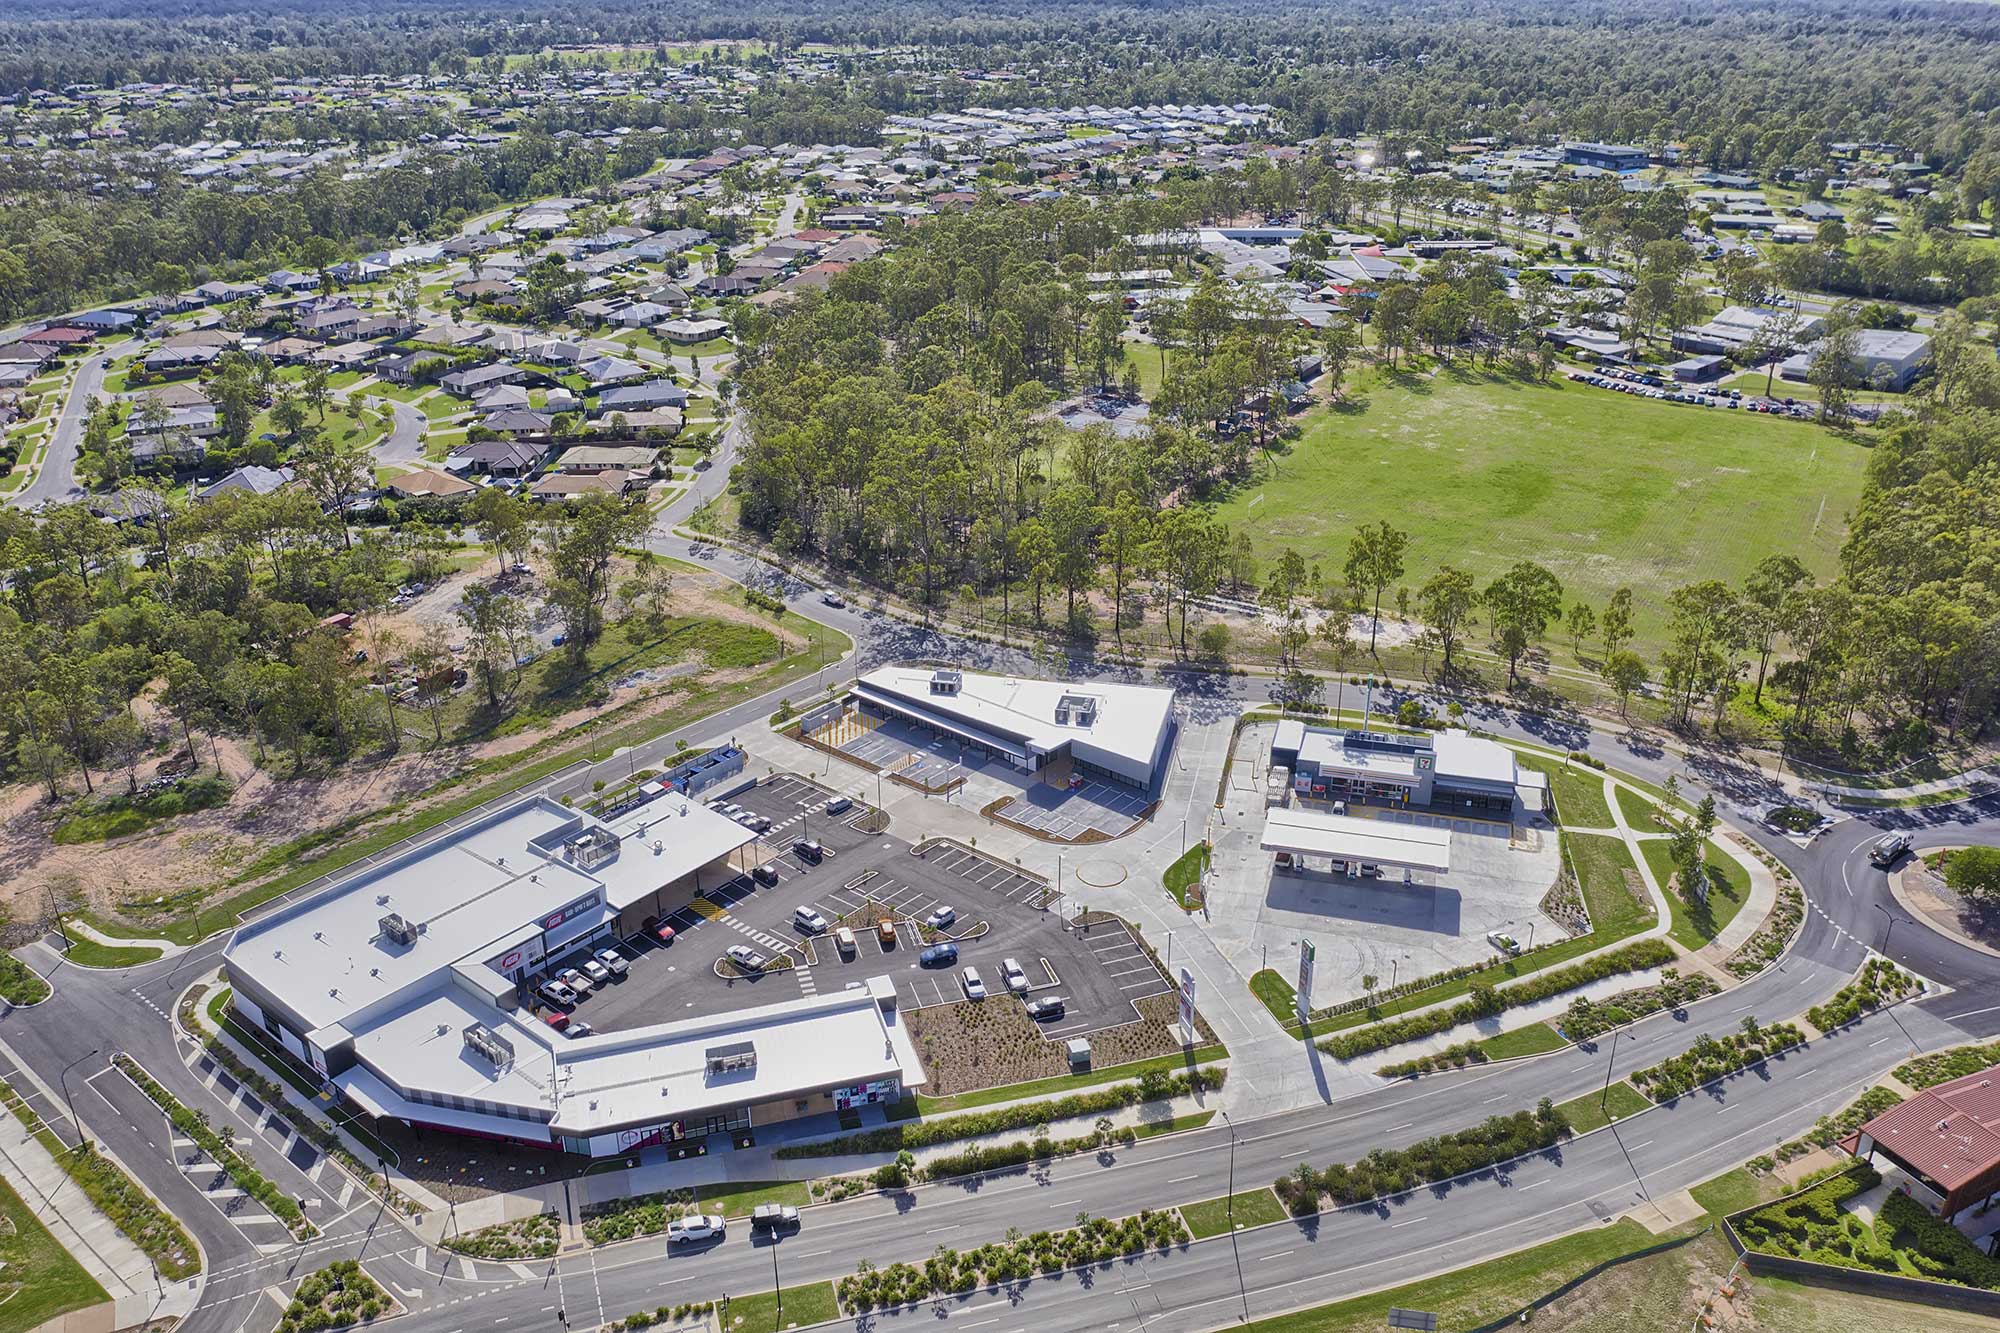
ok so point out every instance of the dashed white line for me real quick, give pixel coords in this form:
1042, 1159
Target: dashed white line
1412, 1222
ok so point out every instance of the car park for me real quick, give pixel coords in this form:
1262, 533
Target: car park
1046, 1010
614, 962
774, 1217
975, 985
941, 918
809, 919
939, 955
695, 1228
1012, 977
555, 992
746, 957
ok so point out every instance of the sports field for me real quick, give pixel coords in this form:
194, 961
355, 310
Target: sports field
1602, 488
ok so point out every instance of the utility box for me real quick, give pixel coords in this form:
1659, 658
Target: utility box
1079, 1053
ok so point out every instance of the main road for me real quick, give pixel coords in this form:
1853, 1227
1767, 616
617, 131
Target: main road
1198, 1286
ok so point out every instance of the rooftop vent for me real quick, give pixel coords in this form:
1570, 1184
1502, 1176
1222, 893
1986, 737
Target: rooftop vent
397, 927
592, 847
733, 1058
484, 1041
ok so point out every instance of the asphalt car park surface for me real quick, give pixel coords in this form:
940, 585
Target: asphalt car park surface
1099, 974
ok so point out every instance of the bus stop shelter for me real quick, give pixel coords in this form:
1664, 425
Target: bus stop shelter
1300, 832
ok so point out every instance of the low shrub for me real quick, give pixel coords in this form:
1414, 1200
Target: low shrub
1392, 1171
1156, 1085
1451, 1057
1094, 1240
19, 983
1763, 947
1880, 982
1927, 1071
335, 1297
1712, 1057
534, 1237
1586, 1018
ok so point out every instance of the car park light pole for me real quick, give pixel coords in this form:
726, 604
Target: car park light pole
1230, 1209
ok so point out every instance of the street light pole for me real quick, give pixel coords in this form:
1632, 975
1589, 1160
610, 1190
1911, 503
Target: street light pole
1891, 928
1604, 1097
777, 1292
1230, 1209
82, 1139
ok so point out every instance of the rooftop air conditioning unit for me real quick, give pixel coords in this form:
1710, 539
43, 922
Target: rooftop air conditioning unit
490, 1045
397, 927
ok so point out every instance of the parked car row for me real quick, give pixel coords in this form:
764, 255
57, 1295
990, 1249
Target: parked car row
749, 819
1669, 391
568, 986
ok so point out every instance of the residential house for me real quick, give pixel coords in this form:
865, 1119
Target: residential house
468, 382
640, 315
693, 330
603, 370
515, 422
592, 458
107, 321
564, 485
429, 484
640, 397
501, 458
250, 479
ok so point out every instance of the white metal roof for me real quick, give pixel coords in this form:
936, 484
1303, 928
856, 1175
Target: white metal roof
1127, 720
326, 957
1347, 838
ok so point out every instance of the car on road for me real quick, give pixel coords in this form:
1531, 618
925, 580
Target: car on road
765, 874
774, 1217
1012, 977
614, 962
595, 970
746, 957
941, 917
573, 979
832, 598
1888, 849
556, 993
1046, 1010
939, 955
975, 985
695, 1228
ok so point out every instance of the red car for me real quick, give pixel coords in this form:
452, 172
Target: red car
556, 1019
659, 930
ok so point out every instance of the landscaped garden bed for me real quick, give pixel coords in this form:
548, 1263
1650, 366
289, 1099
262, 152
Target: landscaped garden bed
337, 1296
970, 1045
534, 1237
1094, 1240
1880, 982
1904, 1239
1712, 1057
1386, 1172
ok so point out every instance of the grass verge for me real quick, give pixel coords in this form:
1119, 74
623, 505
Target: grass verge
89, 953
1695, 924
1041, 1087
1534, 1039
802, 1306
1595, 1110
1184, 875
42, 1281
1251, 1208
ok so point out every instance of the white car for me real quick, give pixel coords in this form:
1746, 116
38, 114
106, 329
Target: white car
975, 986
1012, 977
573, 979
694, 1228
1504, 943
941, 917
556, 993
832, 598
595, 970
746, 957
614, 962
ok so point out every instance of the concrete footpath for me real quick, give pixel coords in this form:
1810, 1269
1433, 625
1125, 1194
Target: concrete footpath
120, 1267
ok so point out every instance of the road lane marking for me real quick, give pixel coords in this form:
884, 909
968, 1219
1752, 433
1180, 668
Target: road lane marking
1266, 1258
1412, 1222
1179, 1180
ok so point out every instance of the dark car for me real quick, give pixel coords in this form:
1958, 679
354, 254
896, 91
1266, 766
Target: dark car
939, 955
659, 930
766, 874
774, 1217
1046, 1010
809, 851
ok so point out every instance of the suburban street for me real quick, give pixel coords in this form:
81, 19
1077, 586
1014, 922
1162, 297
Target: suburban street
55, 479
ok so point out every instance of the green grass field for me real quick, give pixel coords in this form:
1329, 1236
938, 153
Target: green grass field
38, 1279
1595, 1110
1578, 788
802, 1307
1603, 489
1534, 1039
